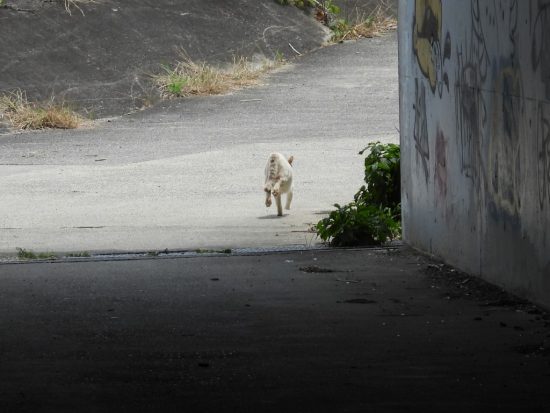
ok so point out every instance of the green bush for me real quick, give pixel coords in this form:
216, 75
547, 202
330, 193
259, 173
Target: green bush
374, 217
382, 175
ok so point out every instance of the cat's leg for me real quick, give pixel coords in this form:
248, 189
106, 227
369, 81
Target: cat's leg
279, 205
277, 189
267, 189
288, 199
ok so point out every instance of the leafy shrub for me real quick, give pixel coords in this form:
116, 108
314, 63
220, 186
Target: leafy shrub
382, 175
358, 224
374, 216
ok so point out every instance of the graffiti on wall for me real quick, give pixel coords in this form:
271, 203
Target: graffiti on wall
430, 49
505, 163
505, 150
488, 110
421, 138
483, 147
540, 53
493, 130
471, 117
440, 165
470, 113
543, 151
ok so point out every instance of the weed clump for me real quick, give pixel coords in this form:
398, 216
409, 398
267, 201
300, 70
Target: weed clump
24, 254
23, 114
355, 26
188, 78
362, 25
374, 217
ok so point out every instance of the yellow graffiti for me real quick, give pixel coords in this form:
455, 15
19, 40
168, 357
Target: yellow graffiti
427, 36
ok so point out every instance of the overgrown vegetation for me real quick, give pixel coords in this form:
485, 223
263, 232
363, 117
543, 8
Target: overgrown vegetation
355, 26
362, 25
24, 254
23, 114
187, 77
374, 217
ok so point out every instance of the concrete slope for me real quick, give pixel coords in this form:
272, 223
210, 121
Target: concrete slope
99, 60
189, 174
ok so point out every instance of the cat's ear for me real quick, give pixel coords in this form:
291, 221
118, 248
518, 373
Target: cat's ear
290, 160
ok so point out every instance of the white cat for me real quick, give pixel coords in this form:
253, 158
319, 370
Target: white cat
278, 180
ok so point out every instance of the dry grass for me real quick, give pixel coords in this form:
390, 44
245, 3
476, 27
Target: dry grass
24, 115
188, 78
375, 24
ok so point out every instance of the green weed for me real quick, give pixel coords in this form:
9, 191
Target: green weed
24, 254
374, 216
360, 25
359, 224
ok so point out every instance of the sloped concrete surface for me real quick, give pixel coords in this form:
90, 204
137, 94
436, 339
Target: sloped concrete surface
189, 173
100, 60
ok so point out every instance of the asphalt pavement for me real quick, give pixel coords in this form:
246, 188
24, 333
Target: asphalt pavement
188, 174
379, 330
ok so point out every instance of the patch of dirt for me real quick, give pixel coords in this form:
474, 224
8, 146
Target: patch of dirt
456, 285
532, 350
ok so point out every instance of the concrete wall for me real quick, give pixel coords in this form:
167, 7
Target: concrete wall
475, 136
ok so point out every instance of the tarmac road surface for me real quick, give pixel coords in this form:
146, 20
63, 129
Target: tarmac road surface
314, 331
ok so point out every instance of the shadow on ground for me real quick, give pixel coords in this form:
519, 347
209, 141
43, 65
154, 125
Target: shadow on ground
313, 331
